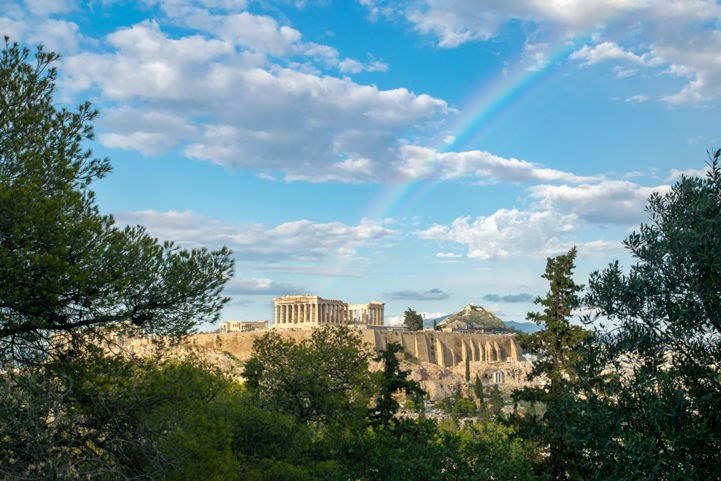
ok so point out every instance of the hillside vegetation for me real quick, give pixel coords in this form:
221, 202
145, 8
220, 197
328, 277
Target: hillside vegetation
475, 317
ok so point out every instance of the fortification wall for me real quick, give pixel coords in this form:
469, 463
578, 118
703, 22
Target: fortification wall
445, 349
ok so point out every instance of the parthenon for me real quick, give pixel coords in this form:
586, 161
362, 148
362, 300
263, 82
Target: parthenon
311, 311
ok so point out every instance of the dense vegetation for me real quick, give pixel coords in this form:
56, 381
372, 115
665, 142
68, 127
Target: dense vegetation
638, 399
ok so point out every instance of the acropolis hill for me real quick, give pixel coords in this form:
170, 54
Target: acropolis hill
445, 349
437, 359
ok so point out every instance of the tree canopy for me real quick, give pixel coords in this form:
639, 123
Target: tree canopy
556, 344
412, 320
650, 384
69, 272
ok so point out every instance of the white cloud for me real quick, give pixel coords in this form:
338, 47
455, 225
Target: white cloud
150, 133
606, 51
354, 66
257, 286
29, 28
249, 113
49, 7
423, 161
455, 22
676, 173
624, 72
611, 201
535, 55
512, 233
259, 33
637, 98
508, 233
301, 240
682, 35
696, 59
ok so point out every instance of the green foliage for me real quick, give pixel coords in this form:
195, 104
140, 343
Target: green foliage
658, 419
492, 451
67, 270
422, 450
391, 380
445, 404
463, 407
477, 317
478, 388
412, 320
495, 398
109, 417
468, 369
324, 378
557, 343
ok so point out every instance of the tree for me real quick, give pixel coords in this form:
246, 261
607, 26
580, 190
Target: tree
71, 279
652, 383
412, 320
67, 270
468, 370
324, 378
496, 399
478, 389
391, 380
556, 343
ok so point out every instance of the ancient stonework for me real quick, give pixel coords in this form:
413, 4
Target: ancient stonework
314, 311
445, 349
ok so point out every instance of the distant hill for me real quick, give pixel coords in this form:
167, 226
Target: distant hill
528, 327
473, 317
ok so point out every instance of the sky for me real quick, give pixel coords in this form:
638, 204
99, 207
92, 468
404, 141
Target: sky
422, 153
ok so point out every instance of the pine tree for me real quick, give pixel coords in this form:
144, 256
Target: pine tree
478, 388
556, 345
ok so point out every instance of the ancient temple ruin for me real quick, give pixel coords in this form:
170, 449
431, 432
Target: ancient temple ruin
313, 311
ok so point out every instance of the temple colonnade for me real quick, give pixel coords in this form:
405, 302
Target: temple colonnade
302, 311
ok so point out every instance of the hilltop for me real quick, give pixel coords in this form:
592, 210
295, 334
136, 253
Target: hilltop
475, 317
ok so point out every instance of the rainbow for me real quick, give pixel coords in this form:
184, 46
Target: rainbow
484, 110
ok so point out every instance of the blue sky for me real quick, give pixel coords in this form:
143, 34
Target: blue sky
423, 153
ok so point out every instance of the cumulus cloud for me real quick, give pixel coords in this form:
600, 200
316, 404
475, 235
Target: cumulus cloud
150, 133
507, 233
682, 35
460, 21
430, 295
422, 161
509, 298
301, 240
257, 286
250, 113
350, 65
30, 23
676, 174
605, 51
610, 201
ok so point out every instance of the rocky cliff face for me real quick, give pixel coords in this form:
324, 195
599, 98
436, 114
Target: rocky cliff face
436, 359
445, 349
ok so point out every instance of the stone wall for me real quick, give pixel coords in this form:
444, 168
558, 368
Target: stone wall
445, 349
